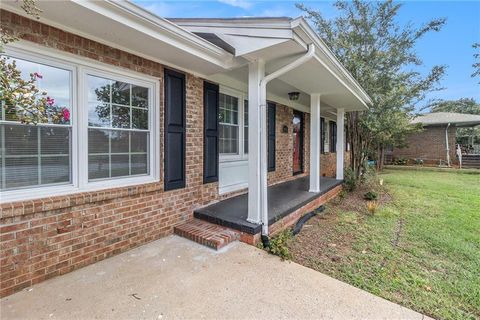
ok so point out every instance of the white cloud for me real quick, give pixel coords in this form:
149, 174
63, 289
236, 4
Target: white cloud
237, 3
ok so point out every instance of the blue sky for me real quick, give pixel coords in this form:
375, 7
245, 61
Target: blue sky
452, 46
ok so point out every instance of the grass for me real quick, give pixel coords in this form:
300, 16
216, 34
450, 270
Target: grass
421, 248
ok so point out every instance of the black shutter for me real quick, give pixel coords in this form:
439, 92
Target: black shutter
210, 133
322, 135
271, 136
175, 127
333, 136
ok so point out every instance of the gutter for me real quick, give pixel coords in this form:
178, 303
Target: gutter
263, 90
446, 143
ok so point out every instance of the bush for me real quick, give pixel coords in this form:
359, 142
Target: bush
279, 244
370, 195
400, 161
419, 161
372, 206
349, 180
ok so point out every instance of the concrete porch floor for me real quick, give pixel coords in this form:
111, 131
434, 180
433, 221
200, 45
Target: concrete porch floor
283, 199
176, 278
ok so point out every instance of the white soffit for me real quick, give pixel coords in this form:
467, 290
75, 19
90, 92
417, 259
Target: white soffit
125, 26
280, 41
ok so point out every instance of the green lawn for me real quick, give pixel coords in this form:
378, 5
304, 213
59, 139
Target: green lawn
421, 249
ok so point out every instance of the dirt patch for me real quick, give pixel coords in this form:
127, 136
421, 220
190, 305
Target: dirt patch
324, 240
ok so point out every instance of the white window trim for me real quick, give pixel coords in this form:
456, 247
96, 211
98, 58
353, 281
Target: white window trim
241, 96
79, 154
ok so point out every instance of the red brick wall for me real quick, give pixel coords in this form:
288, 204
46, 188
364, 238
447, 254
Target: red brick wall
44, 238
429, 145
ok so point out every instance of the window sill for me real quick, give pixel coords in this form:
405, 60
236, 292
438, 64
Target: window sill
72, 196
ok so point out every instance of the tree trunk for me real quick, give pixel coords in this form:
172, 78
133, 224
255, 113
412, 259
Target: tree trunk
359, 143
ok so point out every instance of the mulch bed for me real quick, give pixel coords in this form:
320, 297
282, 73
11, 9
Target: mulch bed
320, 245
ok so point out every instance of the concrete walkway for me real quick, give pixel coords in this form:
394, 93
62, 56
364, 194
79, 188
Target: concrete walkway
175, 278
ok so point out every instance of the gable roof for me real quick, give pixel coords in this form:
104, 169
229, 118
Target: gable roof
439, 118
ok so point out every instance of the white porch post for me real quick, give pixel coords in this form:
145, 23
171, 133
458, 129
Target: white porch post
340, 142
315, 142
256, 72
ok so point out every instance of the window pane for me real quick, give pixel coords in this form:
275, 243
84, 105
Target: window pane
139, 119
98, 89
139, 141
120, 143
120, 117
139, 164
139, 96
54, 81
98, 167
120, 165
21, 172
99, 114
121, 93
98, 141
55, 140
120, 152
21, 140
55, 169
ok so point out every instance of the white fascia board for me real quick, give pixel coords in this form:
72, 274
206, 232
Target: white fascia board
300, 26
173, 34
142, 20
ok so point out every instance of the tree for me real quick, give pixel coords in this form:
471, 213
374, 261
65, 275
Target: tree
379, 53
476, 65
463, 105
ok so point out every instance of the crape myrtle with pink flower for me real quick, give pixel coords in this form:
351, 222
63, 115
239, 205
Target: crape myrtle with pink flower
24, 102
21, 98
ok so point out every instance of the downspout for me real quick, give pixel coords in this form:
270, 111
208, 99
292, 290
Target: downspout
446, 143
263, 91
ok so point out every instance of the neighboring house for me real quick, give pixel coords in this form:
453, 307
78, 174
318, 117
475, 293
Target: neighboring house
168, 118
436, 144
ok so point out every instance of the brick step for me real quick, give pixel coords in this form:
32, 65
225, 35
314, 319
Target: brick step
207, 234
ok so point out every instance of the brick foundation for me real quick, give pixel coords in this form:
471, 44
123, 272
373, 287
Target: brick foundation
293, 217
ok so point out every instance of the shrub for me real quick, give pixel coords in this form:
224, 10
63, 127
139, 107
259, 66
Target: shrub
349, 180
372, 206
279, 244
419, 161
400, 161
370, 195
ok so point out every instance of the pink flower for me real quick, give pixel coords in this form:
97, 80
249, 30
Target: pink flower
37, 75
66, 114
50, 101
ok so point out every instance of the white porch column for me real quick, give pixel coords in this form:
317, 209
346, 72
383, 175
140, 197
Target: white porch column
340, 142
315, 142
256, 72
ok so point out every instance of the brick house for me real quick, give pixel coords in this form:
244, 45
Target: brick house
436, 144
169, 119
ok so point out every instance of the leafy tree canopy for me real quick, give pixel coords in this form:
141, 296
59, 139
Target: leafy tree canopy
380, 53
464, 105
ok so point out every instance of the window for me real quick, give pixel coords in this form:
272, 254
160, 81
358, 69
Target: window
106, 136
38, 155
233, 125
229, 125
118, 135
